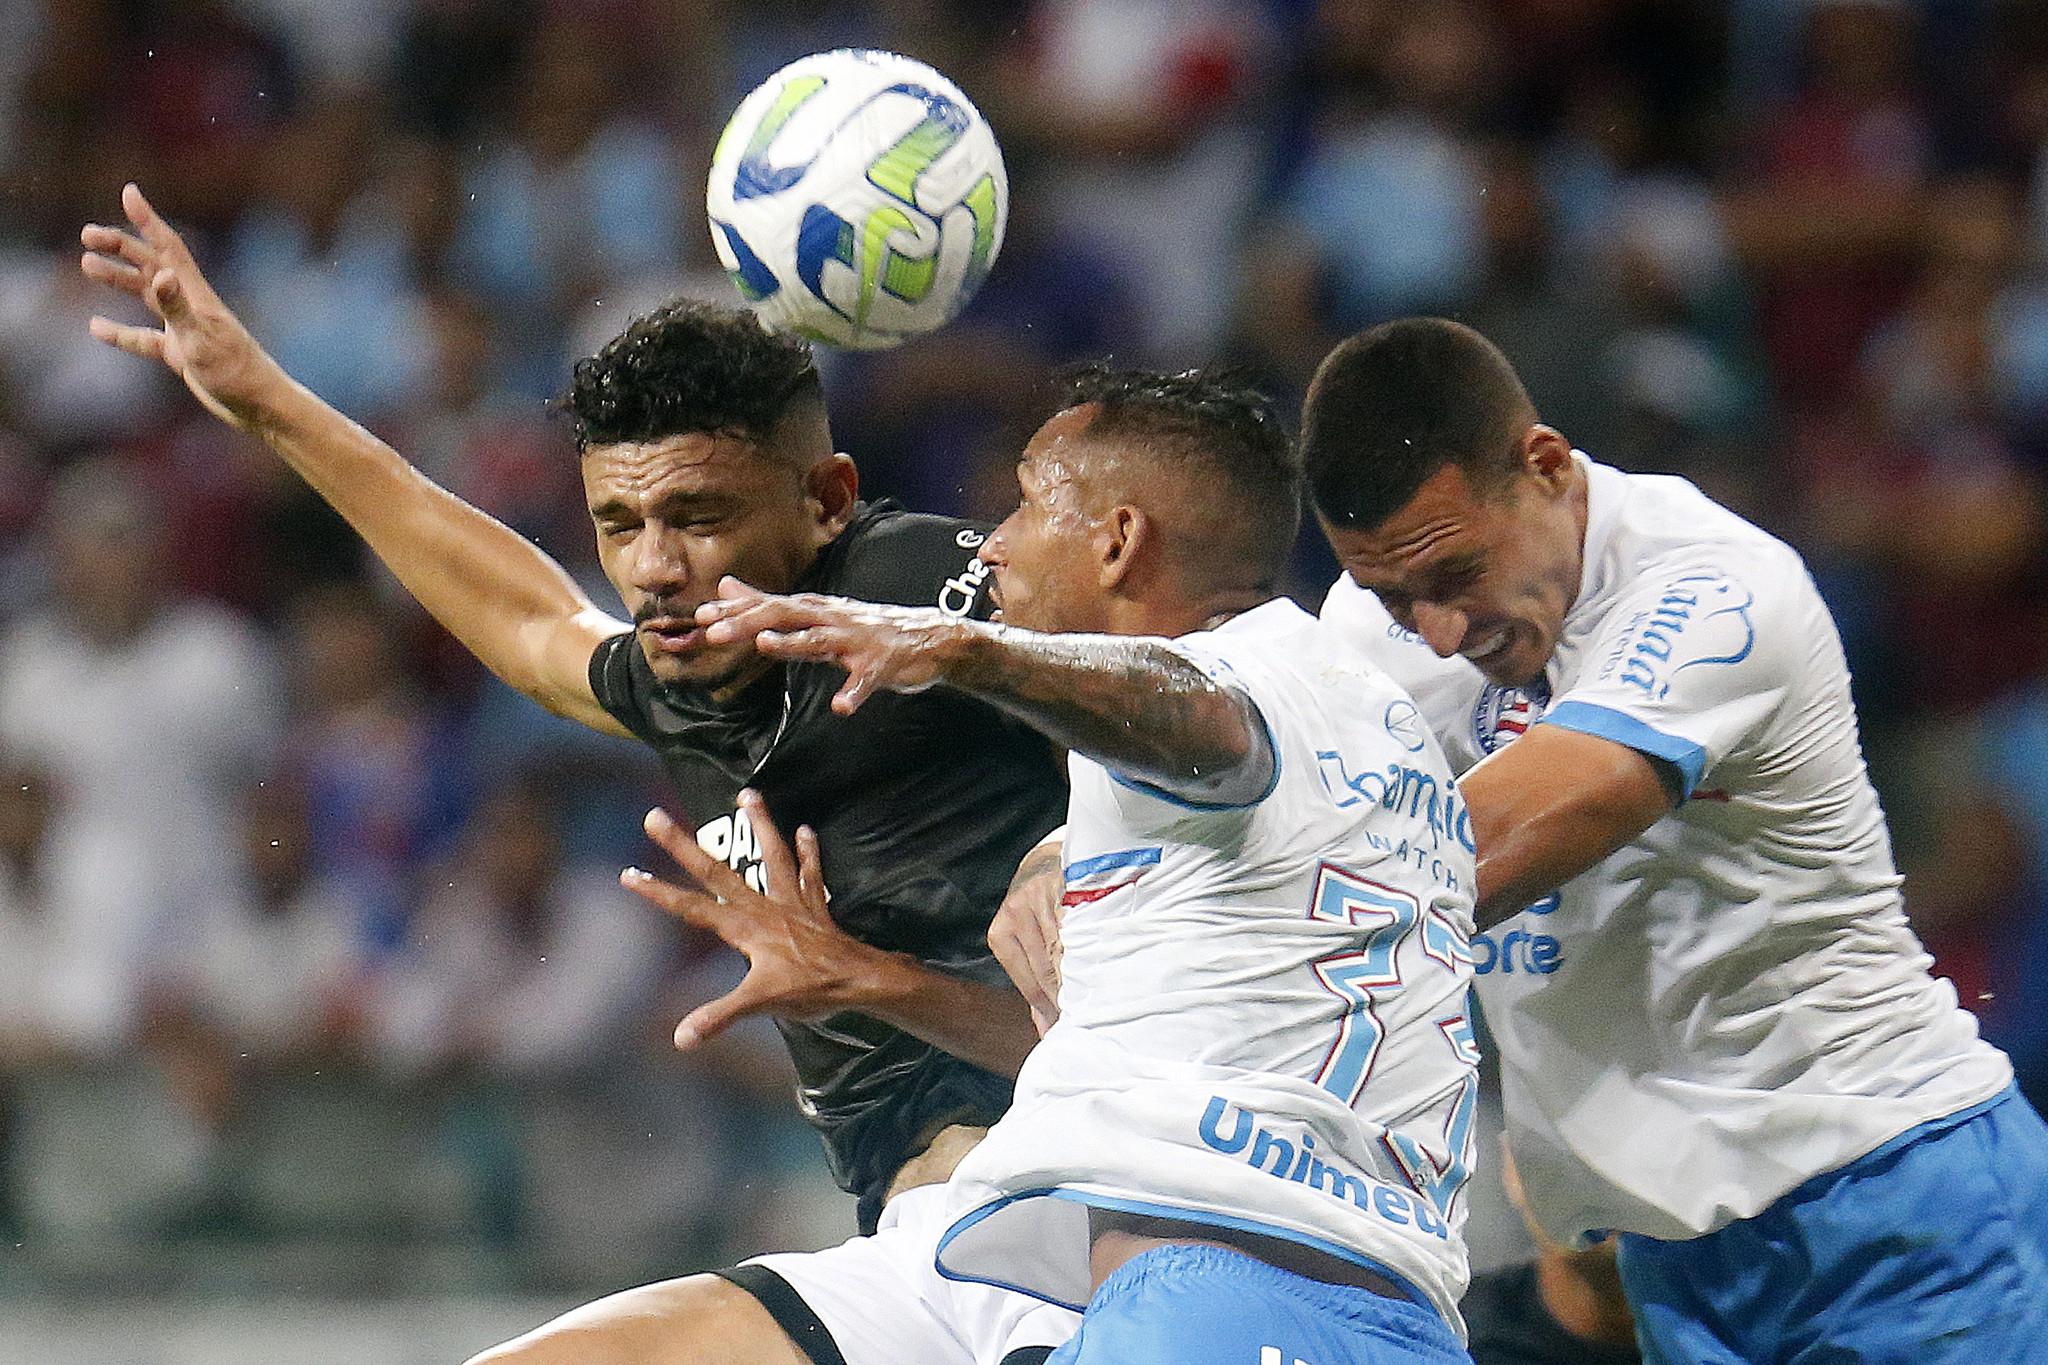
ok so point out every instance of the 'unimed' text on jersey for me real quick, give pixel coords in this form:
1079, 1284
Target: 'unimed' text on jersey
923, 805
1262, 1008
1733, 1002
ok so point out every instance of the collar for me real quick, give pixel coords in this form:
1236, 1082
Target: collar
1606, 490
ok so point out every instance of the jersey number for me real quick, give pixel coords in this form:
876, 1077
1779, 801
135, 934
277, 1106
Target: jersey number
1441, 1183
1354, 976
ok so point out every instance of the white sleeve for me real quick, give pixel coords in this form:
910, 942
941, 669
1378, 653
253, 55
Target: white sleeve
1240, 674
1446, 691
1692, 662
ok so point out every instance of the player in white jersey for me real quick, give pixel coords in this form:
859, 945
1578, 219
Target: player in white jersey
1244, 1138
1717, 1032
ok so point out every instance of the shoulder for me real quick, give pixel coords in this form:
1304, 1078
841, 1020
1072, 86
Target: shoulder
1306, 681
1447, 692
909, 559
621, 681
1660, 522
1272, 642
1684, 581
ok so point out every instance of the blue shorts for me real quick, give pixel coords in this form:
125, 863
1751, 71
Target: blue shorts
1200, 1305
1930, 1250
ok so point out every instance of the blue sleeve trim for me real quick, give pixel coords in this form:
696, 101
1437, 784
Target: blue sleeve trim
1133, 857
1689, 758
1272, 747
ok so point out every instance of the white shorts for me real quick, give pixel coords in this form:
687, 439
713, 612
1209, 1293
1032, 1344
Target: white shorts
885, 1303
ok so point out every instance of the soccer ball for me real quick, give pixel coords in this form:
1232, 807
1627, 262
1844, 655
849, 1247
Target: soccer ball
857, 198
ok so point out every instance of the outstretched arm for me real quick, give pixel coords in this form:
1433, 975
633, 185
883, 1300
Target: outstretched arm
1139, 709
802, 965
514, 608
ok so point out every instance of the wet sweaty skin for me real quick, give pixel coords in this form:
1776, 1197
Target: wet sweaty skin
1487, 577
1041, 555
676, 515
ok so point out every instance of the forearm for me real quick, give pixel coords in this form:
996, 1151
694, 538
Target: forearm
491, 588
1550, 806
989, 1026
1140, 710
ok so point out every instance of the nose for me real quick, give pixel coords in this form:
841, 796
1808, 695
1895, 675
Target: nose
994, 550
1441, 628
655, 565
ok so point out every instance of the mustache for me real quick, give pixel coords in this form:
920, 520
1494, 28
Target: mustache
663, 606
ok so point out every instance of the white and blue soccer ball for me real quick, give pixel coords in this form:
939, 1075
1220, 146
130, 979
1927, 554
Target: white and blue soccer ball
857, 198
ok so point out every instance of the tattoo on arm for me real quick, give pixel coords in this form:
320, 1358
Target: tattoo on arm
1139, 709
1037, 863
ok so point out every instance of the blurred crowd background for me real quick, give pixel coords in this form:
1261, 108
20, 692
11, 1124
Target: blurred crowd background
314, 970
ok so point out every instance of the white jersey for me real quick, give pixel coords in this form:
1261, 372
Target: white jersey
1263, 1009
1733, 1002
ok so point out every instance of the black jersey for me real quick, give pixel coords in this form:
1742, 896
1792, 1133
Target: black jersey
923, 805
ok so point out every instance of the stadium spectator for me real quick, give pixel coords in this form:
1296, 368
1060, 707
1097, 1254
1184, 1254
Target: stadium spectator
1840, 173
1149, 122
516, 962
325, 263
149, 714
580, 196
24, 916
384, 783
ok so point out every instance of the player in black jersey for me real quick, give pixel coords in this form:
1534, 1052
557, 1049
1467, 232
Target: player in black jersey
705, 452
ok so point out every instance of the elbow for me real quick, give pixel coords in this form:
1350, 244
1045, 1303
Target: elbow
1237, 768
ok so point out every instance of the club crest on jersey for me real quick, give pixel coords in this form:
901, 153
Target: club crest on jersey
1506, 713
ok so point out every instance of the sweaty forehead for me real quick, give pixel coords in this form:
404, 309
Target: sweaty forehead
1066, 451
1444, 525
696, 458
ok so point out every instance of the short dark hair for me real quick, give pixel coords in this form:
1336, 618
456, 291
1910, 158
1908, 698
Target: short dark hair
1214, 427
1392, 405
686, 367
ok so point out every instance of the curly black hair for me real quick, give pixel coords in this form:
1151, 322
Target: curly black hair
1212, 426
686, 367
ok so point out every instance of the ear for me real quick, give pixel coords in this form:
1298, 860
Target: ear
1547, 456
832, 489
1121, 538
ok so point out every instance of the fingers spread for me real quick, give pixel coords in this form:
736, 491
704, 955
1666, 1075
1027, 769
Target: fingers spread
736, 589
714, 1017
810, 868
108, 270
693, 907
165, 292
680, 843
849, 697
151, 225
776, 863
146, 342
112, 241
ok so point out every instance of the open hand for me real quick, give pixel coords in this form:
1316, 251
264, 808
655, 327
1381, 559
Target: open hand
199, 340
800, 964
896, 649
